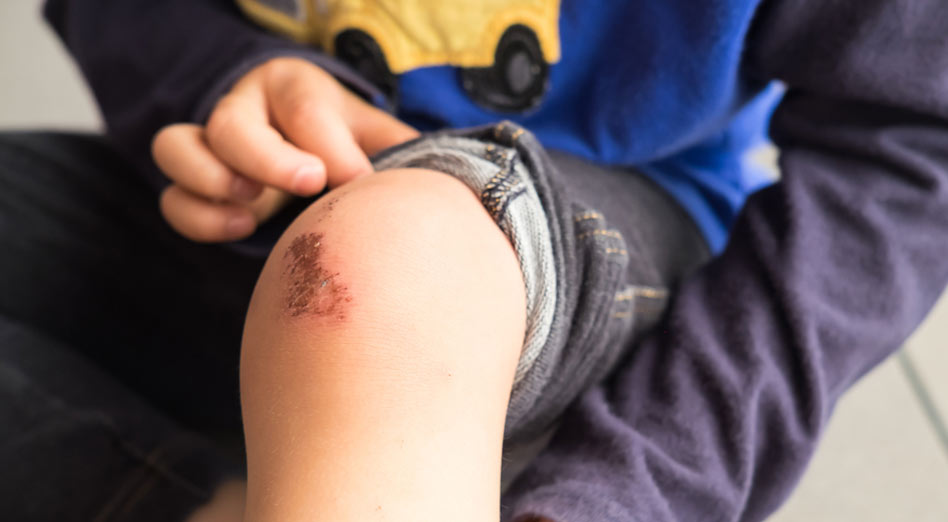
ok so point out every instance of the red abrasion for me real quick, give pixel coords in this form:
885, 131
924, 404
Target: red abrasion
312, 290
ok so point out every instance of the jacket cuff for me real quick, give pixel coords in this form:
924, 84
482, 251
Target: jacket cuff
343, 73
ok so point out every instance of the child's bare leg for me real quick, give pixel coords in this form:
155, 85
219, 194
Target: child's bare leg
378, 357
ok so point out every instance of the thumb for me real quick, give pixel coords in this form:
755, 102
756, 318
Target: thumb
375, 130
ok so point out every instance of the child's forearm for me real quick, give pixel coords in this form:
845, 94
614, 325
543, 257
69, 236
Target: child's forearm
378, 357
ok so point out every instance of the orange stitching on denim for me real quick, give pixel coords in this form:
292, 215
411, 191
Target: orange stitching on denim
585, 216
499, 128
493, 202
622, 315
652, 293
648, 292
620, 251
601, 232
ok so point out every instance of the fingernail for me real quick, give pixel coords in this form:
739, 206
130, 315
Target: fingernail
242, 189
239, 226
307, 180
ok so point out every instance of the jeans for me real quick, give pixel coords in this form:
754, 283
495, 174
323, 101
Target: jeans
119, 339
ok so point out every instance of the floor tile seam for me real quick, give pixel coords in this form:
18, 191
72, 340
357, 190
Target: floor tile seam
924, 398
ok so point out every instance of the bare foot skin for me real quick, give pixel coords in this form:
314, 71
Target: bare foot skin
227, 505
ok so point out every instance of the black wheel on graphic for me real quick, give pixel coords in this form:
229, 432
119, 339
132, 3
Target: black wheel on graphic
361, 52
517, 79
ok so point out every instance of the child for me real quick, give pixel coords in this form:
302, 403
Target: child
713, 415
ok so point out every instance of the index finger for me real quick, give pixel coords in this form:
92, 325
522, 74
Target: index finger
240, 134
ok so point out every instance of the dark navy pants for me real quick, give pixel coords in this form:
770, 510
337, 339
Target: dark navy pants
118, 342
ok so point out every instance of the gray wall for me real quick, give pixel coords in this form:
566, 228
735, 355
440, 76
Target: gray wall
39, 85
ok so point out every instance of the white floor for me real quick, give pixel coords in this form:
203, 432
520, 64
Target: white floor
884, 457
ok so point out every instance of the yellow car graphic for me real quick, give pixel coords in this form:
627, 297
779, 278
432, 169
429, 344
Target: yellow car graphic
504, 47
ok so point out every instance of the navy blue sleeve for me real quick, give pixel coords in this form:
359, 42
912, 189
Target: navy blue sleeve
151, 63
716, 414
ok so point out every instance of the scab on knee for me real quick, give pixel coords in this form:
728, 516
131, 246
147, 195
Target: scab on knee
310, 288
393, 248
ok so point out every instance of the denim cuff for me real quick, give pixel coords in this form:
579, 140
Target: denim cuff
495, 174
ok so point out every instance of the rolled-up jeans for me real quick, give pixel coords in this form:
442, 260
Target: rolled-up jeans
119, 339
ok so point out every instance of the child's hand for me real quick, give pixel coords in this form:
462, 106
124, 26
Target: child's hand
286, 128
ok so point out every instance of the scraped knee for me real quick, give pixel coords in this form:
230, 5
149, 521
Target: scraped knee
394, 247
